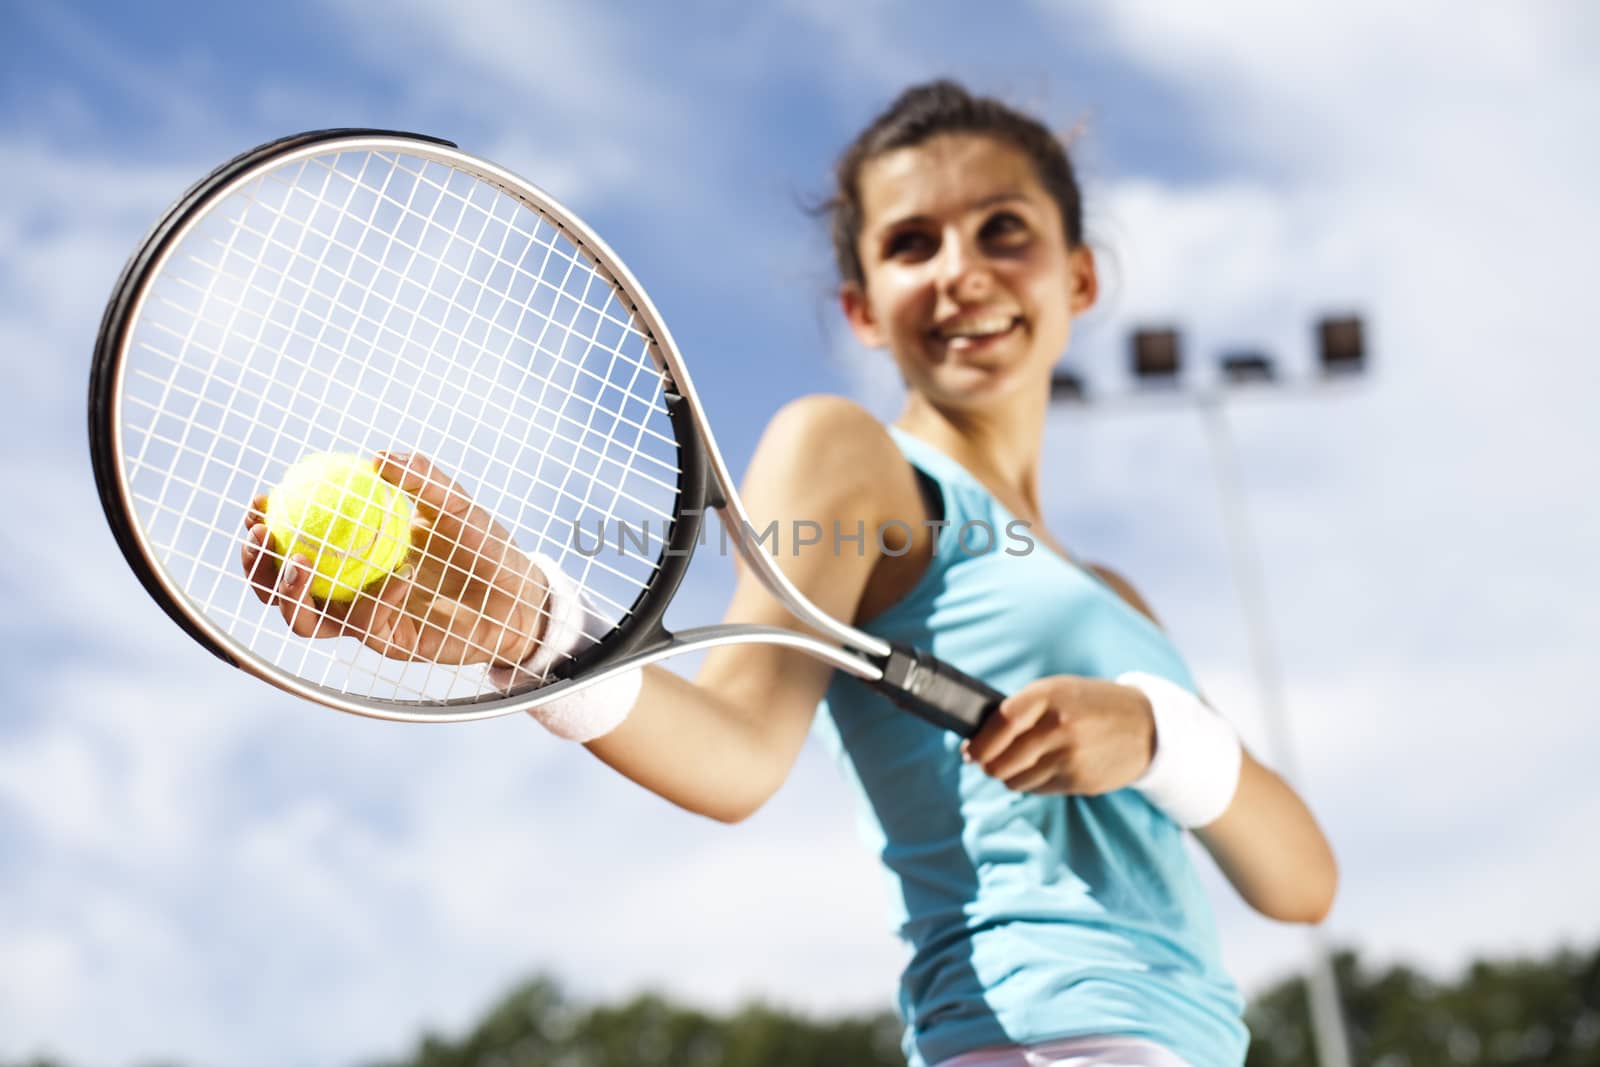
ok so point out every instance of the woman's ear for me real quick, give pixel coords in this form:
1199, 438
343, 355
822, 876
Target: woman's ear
1085, 280
858, 312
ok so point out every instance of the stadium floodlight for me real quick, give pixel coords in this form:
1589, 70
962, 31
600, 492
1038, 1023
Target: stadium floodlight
1248, 368
1066, 387
1157, 356
1341, 345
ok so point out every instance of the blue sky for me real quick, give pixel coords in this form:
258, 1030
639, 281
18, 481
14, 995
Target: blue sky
194, 859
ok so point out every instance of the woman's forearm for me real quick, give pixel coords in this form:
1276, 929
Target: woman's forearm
1271, 849
715, 746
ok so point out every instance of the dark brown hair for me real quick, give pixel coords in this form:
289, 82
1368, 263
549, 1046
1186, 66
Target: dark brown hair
926, 111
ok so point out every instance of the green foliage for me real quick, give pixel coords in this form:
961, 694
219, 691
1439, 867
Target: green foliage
1523, 1012
1543, 1012
535, 1026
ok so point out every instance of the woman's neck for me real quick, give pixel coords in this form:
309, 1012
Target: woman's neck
1000, 446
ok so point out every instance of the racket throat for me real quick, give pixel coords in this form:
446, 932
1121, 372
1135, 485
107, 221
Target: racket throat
928, 687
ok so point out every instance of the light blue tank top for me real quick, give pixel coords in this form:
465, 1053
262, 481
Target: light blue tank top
1029, 918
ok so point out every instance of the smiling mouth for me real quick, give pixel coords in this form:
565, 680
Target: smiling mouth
975, 333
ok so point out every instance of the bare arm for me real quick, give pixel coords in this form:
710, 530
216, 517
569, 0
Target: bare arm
1267, 843
1271, 849
723, 744
1086, 735
719, 746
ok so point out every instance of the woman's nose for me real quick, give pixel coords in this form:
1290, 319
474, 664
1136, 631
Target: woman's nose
964, 271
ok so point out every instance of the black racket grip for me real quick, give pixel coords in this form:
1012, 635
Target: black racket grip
929, 687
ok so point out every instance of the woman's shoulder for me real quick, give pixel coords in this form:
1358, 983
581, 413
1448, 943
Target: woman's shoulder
830, 461
821, 437
821, 417
826, 459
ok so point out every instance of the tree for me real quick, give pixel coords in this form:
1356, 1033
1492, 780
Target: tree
535, 1026
1543, 1012
1522, 1012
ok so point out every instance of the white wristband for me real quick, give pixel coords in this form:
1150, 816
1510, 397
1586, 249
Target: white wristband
593, 711
572, 625
1195, 770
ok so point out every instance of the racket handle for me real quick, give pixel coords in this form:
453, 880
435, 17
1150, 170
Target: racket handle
929, 687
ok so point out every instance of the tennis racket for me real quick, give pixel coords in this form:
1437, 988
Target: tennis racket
360, 290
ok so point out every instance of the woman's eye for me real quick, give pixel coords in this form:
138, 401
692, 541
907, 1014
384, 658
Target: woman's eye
908, 244
1004, 226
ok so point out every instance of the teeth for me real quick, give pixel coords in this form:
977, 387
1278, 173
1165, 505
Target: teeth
977, 328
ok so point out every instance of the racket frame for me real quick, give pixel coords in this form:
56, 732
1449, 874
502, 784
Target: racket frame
912, 678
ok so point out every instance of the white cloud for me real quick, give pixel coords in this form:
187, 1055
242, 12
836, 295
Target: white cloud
867, 44
67, 229
1366, 90
498, 851
567, 94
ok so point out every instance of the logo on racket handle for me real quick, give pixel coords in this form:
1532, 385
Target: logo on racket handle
929, 687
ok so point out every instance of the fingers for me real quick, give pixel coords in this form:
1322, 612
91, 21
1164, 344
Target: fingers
1010, 720
389, 630
449, 510
520, 613
256, 513
1046, 759
463, 598
1047, 742
1028, 741
260, 561
1065, 734
306, 618
257, 553
289, 586
377, 616
1042, 777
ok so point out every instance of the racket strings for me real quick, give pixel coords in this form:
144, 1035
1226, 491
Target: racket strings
670, 470
355, 301
187, 427
234, 309
625, 538
360, 317
667, 468
552, 246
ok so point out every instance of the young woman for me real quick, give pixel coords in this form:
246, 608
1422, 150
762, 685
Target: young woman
1039, 870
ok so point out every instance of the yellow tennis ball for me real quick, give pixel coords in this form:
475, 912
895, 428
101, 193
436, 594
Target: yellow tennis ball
335, 510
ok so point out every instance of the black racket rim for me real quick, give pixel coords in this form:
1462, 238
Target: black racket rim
641, 626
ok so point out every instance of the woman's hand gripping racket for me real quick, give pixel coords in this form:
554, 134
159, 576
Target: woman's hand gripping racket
355, 291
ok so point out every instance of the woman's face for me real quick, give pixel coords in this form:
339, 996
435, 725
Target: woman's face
969, 282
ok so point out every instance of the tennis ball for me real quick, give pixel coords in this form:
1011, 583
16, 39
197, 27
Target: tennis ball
335, 510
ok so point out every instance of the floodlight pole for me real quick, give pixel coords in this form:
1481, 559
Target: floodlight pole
1322, 984
1157, 357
